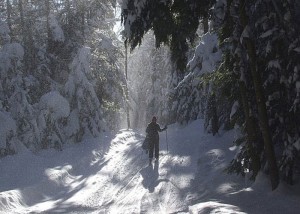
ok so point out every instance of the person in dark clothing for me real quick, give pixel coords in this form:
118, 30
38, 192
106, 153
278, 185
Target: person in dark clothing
152, 132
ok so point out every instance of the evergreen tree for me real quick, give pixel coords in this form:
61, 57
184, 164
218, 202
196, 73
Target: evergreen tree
261, 33
173, 23
279, 30
86, 117
201, 92
259, 72
14, 99
43, 45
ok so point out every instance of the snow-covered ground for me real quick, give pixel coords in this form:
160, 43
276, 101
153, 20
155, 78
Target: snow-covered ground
112, 175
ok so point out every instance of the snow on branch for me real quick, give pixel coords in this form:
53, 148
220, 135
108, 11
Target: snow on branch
206, 55
56, 104
56, 31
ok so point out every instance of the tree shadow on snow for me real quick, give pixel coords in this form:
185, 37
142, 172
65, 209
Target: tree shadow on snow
70, 207
63, 171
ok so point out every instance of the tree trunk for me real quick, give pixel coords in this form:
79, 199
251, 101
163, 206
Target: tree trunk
205, 25
22, 17
214, 116
82, 24
9, 23
26, 28
49, 36
126, 90
250, 128
261, 103
69, 18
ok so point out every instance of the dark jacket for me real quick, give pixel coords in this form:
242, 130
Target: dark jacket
152, 131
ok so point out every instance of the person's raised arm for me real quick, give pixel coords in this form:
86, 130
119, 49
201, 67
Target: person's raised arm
160, 129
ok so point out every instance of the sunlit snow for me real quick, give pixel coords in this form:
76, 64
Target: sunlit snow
111, 174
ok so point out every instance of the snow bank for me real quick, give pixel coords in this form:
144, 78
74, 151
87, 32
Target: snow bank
214, 207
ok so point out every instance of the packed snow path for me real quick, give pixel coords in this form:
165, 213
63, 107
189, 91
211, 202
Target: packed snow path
107, 175
111, 175
128, 184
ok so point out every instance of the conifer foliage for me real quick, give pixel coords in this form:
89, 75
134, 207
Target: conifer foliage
255, 84
56, 63
262, 52
174, 22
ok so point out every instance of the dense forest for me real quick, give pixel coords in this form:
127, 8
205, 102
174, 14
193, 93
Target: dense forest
65, 74
255, 84
61, 73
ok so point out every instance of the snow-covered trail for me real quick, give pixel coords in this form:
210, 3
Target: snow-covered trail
107, 175
128, 184
111, 175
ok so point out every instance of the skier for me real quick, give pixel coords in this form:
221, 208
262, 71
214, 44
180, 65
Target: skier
152, 132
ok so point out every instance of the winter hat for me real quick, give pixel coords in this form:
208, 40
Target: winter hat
153, 119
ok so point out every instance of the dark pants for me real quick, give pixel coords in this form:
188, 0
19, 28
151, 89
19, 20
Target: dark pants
154, 147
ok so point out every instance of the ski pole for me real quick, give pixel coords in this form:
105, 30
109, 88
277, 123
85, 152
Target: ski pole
167, 140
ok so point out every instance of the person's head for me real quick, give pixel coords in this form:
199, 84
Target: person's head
154, 119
